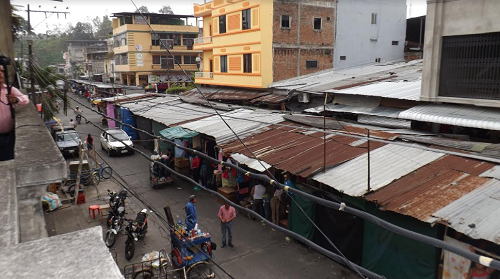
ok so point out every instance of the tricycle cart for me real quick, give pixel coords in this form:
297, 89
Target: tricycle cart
159, 267
158, 180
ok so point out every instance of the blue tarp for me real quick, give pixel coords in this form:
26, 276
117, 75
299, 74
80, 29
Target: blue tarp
128, 118
178, 133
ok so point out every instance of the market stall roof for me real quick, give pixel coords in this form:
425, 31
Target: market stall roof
476, 213
122, 97
178, 133
81, 254
244, 122
387, 163
168, 110
383, 80
431, 187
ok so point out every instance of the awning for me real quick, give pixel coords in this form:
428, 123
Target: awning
178, 133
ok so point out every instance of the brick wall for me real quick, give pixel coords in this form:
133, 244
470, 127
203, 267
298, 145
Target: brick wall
314, 44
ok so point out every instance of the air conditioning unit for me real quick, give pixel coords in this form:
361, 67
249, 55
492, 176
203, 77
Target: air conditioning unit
303, 97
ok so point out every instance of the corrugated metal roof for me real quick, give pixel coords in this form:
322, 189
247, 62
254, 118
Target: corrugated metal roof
384, 121
169, 111
431, 187
492, 173
291, 150
404, 90
270, 99
237, 95
464, 116
475, 214
375, 111
250, 162
387, 163
244, 122
325, 81
120, 97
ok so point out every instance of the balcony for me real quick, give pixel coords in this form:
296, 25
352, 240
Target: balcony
208, 75
203, 40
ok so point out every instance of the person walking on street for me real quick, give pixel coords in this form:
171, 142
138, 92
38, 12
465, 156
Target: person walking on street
191, 216
226, 215
72, 123
257, 193
275, 205
9, 97
90, 142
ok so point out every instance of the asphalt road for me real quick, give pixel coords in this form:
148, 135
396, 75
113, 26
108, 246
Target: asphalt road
258, 252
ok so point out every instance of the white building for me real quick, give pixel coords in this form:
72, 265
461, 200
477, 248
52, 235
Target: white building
461, 52
369, 31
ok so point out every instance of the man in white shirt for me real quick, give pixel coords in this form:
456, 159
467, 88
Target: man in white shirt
257, 193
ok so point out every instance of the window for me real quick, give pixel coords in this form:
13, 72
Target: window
395, 43
285, 21
312, 64
377, 60
317, 23
156, 59
190, 59
469, 66
128, 19
222, 24
178, 59
343, 57
245, 19
223, 63
374, 18
247, 63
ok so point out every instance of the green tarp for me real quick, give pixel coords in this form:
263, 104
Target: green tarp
297, 221
178, 133
395, 256
157, 127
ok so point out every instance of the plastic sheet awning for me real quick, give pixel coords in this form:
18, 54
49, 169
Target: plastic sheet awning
178, 133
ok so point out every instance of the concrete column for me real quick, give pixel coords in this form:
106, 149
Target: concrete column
137, 80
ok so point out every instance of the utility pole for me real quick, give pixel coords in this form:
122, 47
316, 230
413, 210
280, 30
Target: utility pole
30, 55
368, 160
79, 173
324, 134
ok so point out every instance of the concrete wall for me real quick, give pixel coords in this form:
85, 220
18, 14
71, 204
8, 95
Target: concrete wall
360, 40
6, 43
293, 46
448, 18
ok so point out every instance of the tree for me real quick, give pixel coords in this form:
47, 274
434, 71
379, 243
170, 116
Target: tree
102, 27
47, 79
81, 31
166, 10
142, 9
19, 24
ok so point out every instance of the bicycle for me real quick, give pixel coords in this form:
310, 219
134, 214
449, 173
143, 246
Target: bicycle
104, 171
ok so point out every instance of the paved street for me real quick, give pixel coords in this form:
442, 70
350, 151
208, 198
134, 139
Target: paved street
258, 252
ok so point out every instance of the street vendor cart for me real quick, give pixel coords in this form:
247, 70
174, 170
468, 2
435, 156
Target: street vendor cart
157, 178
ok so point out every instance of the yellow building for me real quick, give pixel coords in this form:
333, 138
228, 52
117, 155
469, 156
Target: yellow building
140, 55
236, 51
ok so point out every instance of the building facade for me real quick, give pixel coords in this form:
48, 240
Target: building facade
75, 55
369, 31
94, 57
461, 52
140, 54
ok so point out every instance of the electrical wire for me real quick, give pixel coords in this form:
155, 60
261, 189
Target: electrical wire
338, 206
322, 250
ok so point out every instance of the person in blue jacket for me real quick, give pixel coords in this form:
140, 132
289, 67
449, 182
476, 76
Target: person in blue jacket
191, 216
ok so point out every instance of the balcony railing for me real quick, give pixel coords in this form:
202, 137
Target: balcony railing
204, 75
202, 40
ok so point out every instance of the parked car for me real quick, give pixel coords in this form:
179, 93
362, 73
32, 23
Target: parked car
68, 142
111, 141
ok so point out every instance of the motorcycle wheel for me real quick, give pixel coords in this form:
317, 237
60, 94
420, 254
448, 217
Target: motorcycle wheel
200, 270
110, 239
129, 249
144, 274
108, 221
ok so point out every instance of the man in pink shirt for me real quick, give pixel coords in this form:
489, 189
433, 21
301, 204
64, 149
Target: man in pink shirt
226, 215
8, 101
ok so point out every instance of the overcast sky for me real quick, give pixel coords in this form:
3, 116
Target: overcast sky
84, 10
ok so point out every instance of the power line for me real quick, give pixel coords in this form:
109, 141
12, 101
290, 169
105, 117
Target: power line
422, 238
318, 248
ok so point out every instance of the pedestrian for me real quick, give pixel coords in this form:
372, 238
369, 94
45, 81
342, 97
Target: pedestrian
275, 205
226, 215
257, 193
90, 142
9, 97
191, 216
72, 123
195, 167
479, 271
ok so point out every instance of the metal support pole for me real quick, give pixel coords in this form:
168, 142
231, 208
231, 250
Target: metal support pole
368, 160
30, 54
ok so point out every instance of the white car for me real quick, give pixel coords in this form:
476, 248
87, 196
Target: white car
111, 141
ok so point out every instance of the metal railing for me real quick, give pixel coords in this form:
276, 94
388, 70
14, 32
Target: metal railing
202, 40
204, 75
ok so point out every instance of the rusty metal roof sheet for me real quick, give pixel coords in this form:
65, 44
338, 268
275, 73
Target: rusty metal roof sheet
431, 187
290, 150
476, 213
236, 95
387, 163
270, 99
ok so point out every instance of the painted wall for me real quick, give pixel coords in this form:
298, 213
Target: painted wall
362, 42
448, 18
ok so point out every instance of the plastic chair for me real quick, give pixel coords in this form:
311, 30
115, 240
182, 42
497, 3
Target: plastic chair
93, 208
102, 209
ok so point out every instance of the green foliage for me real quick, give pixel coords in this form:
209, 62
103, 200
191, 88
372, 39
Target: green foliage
176, 89
166, 10
81, 31
103, 27
46, 78
142, 9
49, 51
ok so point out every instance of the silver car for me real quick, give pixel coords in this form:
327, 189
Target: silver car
68, 142
116, 141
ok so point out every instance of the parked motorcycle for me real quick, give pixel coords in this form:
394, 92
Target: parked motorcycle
136, 229
115, 227
116, 200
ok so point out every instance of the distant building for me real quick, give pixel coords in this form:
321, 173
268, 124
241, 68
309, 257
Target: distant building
461, 52
254, 43
140, 55
94, 57
109, 64
369, 31
75, 54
